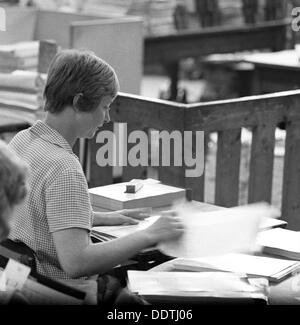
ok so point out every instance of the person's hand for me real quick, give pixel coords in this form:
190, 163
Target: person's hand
127, 217
138, 214
167, 227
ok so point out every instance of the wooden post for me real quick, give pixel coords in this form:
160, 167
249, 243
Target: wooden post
196, 184
129, 172
261, 166
98, 176
173, 175
291, 179
228, 168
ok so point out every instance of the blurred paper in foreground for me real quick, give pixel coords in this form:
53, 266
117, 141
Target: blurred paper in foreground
218, 232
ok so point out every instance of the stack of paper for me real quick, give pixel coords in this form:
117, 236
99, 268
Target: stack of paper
182, 285
217, 232
272, 268
152, 194
22, 56
280, 242
23, 89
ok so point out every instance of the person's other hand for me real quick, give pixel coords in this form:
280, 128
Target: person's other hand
138, 214
127, 216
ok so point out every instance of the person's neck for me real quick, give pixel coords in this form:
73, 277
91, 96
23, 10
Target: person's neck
66, 129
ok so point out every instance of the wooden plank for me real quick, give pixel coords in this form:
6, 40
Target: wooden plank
146, 112
228, 168
131, 172
47, 51
261, 165
291, 180
98, 176
243, 112
274, 79
172, 172
196, 184
172, 175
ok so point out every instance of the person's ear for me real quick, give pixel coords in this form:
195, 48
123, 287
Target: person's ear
76, 101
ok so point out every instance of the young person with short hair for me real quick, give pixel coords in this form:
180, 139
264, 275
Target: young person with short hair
56, 218
13, 189
13, 186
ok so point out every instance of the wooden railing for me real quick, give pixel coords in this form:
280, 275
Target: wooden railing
260, 114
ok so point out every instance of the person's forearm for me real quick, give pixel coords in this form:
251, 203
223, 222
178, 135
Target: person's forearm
102, 257
99, 218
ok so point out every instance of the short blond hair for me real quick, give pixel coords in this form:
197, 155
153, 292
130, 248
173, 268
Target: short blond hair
74, 72
13, 187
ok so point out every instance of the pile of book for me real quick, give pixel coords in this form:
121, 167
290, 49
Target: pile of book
158, 15
278, 259
274, 269
153, 194
111, 8
231, 12
19, 56
22, 91
280, 242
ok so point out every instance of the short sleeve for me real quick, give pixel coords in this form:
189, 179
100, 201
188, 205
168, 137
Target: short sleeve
68, 203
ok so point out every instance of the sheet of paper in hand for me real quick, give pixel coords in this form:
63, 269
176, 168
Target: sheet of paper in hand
217, 232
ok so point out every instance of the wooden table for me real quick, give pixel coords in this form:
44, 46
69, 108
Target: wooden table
282, 293
273, 72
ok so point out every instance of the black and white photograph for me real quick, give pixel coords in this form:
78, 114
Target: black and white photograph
149, 156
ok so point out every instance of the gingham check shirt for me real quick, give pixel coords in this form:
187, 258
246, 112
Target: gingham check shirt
58, 197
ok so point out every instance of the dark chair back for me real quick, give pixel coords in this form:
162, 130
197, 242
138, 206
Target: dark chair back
18, 251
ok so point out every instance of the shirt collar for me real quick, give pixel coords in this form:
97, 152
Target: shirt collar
50, 135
